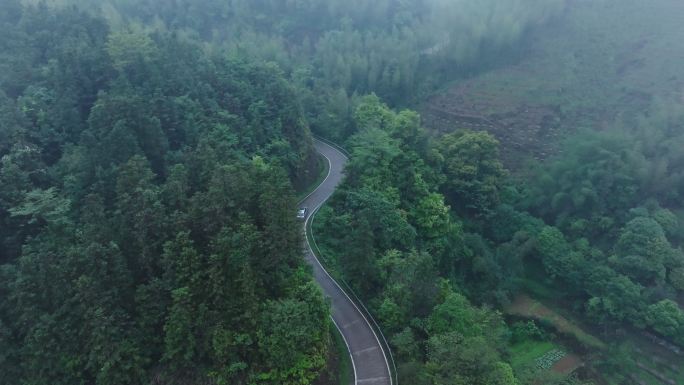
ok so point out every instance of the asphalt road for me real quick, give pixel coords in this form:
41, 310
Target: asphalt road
368, 357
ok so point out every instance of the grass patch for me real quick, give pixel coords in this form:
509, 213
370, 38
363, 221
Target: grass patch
525, 306
524, 353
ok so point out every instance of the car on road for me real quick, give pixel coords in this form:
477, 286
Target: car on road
301, 213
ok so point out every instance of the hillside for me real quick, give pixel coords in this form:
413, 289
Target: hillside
598, 65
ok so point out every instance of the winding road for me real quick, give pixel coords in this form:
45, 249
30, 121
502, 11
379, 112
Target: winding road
369, 360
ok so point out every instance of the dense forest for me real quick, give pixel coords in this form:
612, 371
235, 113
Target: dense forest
152, 153
146, 228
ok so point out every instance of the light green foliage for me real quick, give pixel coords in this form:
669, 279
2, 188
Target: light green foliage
372, 113
432, 216
42, 207
293, 339
666, 219
456, 314
373, 155
502, 374
473, 171
462, 348
666, 318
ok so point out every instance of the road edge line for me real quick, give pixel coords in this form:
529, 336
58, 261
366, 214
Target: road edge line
309, 219
351, 356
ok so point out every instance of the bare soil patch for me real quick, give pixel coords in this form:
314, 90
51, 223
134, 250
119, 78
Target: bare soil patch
567, 364
523, 129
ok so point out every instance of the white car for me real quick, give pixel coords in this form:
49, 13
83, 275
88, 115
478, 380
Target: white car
301, 213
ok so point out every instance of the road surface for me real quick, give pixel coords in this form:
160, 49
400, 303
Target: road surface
368, 357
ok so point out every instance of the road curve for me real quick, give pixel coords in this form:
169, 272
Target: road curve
368, 357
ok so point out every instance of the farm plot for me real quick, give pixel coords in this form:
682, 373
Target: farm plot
525, 306
542, 356
549, 359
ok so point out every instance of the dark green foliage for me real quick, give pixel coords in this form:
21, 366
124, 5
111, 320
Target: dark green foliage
462, 348
589, 190
146, 223
614, 247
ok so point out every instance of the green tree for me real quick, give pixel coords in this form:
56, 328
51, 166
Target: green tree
642, 251
666, 318
456, 314
128, 48
474, 173
595, 180
293, 339
181, 345
410, 286
558, 256
42, 207
455, 359
139, 216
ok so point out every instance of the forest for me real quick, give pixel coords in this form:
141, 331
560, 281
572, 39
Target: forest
152, 154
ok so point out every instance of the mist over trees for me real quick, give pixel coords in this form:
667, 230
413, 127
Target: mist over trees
393, 48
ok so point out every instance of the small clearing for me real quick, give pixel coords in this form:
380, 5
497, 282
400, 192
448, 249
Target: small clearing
567, 364
527, 307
